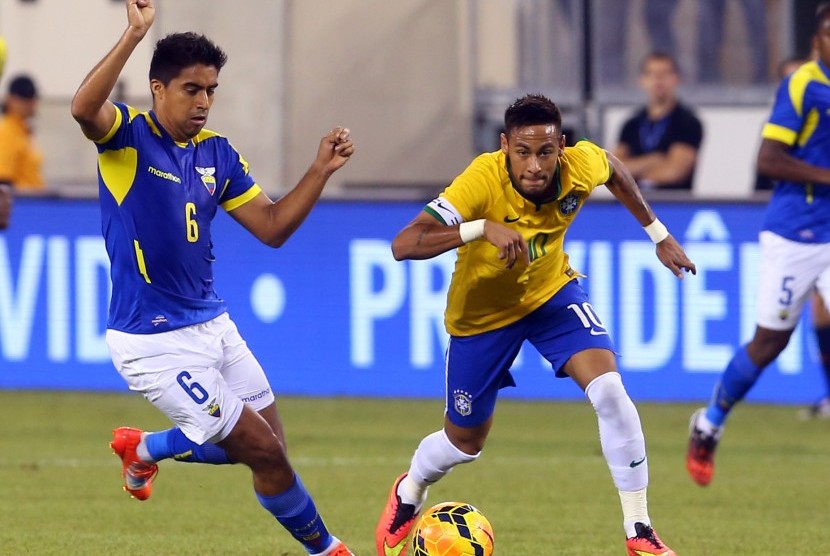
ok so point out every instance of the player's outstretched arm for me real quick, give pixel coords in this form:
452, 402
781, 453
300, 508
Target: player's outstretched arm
776, 162
625, 189
425, 237
90, 106
274, 222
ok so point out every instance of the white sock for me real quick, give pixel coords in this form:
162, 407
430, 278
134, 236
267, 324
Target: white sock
620, 432
141, 451
706, 426
334, 542
434, 458
635, 509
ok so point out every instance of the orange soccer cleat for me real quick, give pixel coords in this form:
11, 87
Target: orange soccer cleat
700, 457
138, 475
647, 543
395, 523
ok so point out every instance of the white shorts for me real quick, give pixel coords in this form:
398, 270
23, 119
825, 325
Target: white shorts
789, 271
199, 376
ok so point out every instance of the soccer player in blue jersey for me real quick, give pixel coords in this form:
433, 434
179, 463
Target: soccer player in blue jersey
162, 177
794, 239
507, 214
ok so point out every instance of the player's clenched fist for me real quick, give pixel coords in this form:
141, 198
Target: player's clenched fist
140, 15
335, 149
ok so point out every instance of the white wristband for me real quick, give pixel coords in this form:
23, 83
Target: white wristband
471, 231
656, 231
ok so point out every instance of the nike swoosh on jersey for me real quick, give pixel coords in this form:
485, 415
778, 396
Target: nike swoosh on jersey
509, 220
598, 332
394, 551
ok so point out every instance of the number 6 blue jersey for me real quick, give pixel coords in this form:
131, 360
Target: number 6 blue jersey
158, 198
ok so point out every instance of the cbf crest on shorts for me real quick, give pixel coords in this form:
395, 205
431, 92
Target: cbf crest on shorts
463, 402
569, 204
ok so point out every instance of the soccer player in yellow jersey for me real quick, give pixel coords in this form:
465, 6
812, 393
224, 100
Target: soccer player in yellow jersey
507, 214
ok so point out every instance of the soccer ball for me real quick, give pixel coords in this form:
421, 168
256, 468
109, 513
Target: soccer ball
453, 529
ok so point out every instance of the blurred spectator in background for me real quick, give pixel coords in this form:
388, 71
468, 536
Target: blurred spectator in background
612, 23
5, 205
5, 190
660, 143
2, 54
711, 21
20, 160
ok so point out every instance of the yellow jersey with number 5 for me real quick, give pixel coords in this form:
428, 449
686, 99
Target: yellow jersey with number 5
483, 295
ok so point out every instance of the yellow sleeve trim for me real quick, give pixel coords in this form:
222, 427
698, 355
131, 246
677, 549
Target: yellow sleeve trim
779, 133
115, 126
237, 202
204, 134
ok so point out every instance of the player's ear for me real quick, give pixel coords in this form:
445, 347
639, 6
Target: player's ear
156, 88
562, 142
503, 143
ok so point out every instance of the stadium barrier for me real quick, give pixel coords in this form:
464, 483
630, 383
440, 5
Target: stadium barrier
332, 313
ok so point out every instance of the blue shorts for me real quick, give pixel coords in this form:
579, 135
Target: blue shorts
478, 366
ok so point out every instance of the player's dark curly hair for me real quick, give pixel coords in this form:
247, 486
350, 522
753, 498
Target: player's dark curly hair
532, 109
177, 51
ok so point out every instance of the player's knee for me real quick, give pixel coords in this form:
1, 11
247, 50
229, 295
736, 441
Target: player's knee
263, 453
607, 393
271, 454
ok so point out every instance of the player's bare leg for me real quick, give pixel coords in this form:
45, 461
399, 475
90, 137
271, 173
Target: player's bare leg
254, 442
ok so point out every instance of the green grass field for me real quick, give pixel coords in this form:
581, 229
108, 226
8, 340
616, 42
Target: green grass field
541, 481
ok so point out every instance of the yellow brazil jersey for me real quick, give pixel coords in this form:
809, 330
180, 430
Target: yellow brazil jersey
483, 295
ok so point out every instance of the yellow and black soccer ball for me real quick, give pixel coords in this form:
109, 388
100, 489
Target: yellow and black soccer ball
452, 529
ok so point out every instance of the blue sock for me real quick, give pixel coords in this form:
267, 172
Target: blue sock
295, 510
823, 337
740, 375
172, 443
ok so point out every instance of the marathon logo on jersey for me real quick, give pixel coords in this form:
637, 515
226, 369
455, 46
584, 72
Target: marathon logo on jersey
463, 402
213, 409
159, 319
207, 178
164, 175
569, 204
